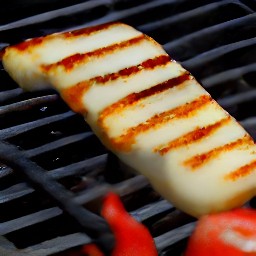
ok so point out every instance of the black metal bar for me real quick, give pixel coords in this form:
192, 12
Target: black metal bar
19, 129
173, 236
184, 16
238, 98
228, 75
14, 192
93, 225
10, 94
58, 144
27, 104
16, 224
81, 168
55, 13
48, 247
151, 210
5, 171
122, 188
206, 57
202, 39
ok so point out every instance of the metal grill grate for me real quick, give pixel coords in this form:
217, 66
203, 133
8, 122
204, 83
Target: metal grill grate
215, 40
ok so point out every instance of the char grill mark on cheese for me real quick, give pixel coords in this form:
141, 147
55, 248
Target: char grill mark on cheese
76, 33
30, 43
133, 98
192, 137
125, 141
90, 30
126, 72
201, 159
80, 58
74, 94
241, 172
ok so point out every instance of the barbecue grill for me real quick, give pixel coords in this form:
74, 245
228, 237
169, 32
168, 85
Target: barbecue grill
54, 171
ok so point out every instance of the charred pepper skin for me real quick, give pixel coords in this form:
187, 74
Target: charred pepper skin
132, 238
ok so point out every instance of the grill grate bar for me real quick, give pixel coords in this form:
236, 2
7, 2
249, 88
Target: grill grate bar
10, 94
5, 171
10, 155
61, 243
237, 98
215, 53
58, 244
249, 121
14, 192
120, 15
250, 125
173, 236
184, 16
28, 220
55, 245
27, 104
58, 144
151, 210
140, 214
211, 33
81, 168
229, 75
74, 9
22, 128
123, 188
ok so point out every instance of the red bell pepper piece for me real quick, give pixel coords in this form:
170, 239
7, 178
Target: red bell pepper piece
231, 233
92, 250
132, 238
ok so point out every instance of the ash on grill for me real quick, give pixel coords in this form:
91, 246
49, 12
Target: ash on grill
214, 40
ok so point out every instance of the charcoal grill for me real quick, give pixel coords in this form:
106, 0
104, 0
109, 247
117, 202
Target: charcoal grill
54, 171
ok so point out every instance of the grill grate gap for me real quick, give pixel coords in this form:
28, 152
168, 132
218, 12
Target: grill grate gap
51, 132
23, 9
172, 27
48, 230
230, 59
12, 189
70, 153
200, 41
28, 204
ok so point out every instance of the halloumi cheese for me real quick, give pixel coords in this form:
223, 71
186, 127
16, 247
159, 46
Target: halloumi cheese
147, 109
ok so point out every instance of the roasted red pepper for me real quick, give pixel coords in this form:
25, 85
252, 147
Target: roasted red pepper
132, 238
229, 233
92, 250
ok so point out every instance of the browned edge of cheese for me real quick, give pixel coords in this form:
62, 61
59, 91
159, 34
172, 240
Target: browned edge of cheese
23, 46
70, 62
201, 159
91, 30
74, 96
191, 137
126, 140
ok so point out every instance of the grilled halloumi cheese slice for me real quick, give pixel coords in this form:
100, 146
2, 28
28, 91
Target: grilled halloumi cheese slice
147, 109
